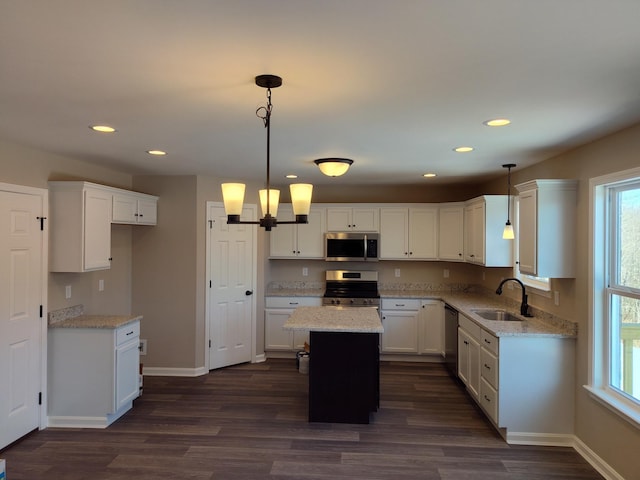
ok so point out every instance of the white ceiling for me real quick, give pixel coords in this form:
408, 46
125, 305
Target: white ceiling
394, 85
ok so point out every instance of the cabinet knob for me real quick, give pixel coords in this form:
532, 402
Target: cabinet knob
248, 292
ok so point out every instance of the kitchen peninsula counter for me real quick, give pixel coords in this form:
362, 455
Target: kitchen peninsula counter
344, 362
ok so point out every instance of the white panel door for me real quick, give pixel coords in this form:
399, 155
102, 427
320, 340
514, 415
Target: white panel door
21, 296
231, 302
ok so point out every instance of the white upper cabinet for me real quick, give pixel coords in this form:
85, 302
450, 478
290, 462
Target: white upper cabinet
298, 240
451, 232
135, 208
352, 219
81, 217
484, 220
546, 227
80, 227
409, 233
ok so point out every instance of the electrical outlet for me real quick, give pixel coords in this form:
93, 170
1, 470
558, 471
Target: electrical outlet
305, 272
101, 285
67, 292
143, 346
445, 273
556, 297
397, 272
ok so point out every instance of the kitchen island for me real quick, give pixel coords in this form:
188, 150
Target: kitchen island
344, 373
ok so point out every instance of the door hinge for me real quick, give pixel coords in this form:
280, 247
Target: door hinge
209, 283
39, 398
42, 219
209, 343
40, 311
211, 223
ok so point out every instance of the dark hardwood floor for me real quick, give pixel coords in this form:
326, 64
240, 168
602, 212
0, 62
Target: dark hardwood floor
250, 422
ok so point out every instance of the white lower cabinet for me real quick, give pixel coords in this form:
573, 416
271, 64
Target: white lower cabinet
93, 374
400, 323
277, 312
524, 384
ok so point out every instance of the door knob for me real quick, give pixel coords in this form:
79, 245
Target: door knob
248, 292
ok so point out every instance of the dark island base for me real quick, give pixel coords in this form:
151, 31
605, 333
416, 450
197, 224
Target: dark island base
344, 377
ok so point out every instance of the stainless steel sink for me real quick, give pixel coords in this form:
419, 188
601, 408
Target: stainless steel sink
497, 315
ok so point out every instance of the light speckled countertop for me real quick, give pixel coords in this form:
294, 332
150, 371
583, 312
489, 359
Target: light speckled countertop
335, 319
74, 317
463, 299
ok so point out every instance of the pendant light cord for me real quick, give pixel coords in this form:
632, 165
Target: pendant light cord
265, 114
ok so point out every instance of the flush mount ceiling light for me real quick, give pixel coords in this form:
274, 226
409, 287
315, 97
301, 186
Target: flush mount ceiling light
333, 167
507, 233
497, 122
463, 149
102, 128
233, 193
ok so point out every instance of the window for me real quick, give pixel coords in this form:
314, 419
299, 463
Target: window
615, 293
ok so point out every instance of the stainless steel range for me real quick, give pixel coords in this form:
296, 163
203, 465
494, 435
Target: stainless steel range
351, 288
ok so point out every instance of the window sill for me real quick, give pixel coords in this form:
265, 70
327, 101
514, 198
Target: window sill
620, 407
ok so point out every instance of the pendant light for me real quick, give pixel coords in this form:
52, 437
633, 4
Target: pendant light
507, 233
233, 193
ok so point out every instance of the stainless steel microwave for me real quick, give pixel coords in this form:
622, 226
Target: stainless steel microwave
351, 247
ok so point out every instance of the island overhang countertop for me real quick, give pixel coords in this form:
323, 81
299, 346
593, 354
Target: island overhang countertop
335, 319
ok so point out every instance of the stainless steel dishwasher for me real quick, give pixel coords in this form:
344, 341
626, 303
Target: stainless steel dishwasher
451, 339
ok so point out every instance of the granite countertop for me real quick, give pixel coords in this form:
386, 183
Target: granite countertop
74, 317
463, 298
335, 319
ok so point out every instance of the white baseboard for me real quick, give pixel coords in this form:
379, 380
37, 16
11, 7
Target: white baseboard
546, 439
262, 357
174, 372
85, 421
595, 461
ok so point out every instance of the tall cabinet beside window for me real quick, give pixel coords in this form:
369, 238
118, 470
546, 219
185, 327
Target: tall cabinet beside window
547, 228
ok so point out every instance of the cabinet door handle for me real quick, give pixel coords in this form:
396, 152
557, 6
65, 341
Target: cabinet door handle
248, 292
293, 303
466, 343
129, 333
487, 398
487, 341
487, 366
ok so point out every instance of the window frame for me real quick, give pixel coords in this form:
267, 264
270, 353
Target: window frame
602, 256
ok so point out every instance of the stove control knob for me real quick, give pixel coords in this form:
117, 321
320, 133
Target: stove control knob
352, 301
365, 302
337, 302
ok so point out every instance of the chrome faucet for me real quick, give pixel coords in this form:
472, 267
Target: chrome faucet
524, 307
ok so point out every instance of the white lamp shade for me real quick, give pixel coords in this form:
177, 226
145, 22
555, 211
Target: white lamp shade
233, 197
334, 169
301, 197
507, 233
274, 199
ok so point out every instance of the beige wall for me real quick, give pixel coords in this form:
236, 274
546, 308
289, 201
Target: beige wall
21, 165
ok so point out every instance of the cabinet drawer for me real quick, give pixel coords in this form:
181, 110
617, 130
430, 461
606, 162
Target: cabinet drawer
489, 367
471, 327
489, 342
292, 302
489, 400
400, 304
127, 332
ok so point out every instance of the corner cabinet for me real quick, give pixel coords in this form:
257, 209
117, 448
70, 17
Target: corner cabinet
409, 233
93, 374
81, 218
546, 226
298, 240
451, 232
484, 220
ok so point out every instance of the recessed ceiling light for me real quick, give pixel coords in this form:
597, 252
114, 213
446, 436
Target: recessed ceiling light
463, 149
497, 122
102, 128
428, 175
291, 175
156, 152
